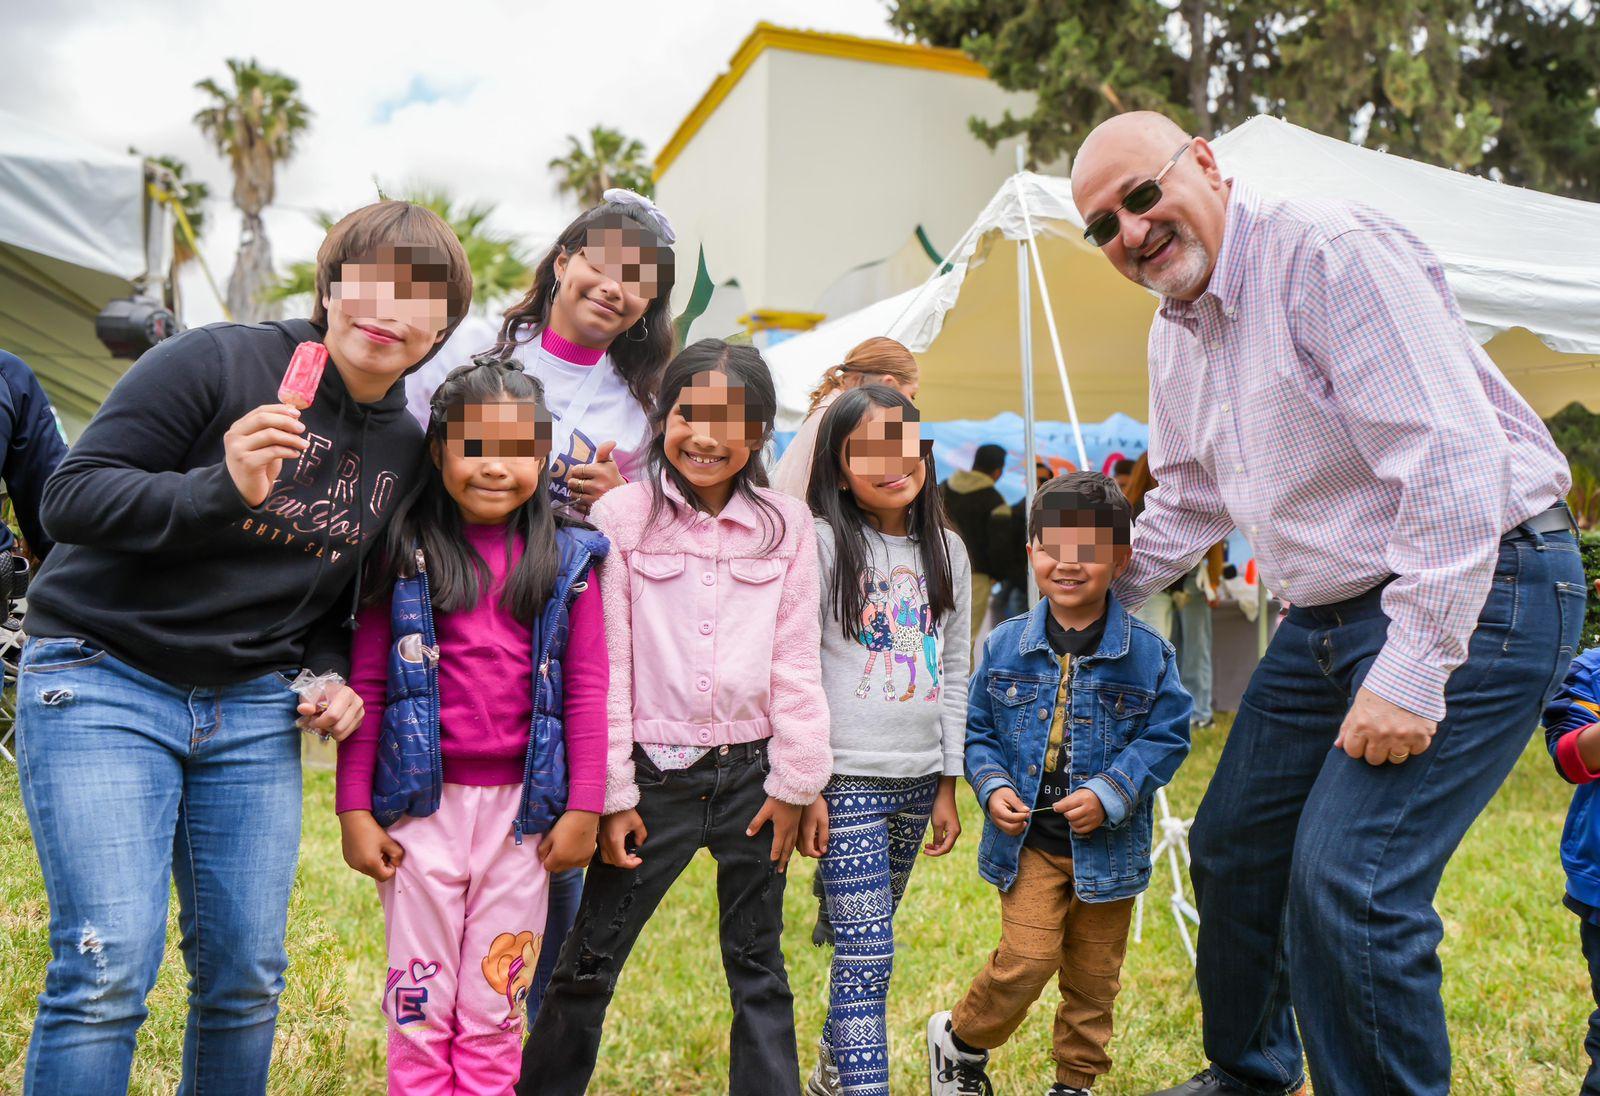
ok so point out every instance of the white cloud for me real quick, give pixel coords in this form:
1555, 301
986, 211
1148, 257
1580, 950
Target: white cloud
473, 95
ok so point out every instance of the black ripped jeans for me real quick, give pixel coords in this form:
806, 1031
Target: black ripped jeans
707, 805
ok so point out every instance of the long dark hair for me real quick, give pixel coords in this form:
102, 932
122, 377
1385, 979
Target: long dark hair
742, 365
831, 499
428, 517
638, 353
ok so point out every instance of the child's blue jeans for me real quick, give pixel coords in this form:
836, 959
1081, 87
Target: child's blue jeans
875, 826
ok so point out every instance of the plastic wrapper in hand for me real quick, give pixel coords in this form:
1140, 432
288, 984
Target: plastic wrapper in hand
314, 688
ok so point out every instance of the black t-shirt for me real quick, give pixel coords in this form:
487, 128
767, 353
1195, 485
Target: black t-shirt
1049, 831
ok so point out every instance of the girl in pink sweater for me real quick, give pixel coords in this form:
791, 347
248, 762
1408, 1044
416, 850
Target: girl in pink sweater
718, 724
485, 723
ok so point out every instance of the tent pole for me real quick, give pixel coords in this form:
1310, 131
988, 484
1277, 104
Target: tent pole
1030, 242
1025, 338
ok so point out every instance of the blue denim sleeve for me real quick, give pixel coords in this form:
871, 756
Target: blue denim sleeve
984, 762
1576, 703
1151, 760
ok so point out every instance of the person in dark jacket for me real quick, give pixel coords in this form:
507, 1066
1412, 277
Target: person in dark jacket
1572, 734
32, 443
969, 498
208, 541
1008, 551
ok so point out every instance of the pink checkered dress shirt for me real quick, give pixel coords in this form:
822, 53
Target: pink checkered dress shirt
1324, 397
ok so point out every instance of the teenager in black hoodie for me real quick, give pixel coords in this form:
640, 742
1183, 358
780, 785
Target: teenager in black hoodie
209, 542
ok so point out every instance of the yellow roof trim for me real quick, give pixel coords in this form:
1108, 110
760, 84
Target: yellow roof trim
850, 47
770, 319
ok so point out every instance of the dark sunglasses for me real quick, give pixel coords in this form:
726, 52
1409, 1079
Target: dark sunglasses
1142, 198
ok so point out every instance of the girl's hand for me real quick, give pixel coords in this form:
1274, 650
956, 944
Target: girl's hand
615, 829
814, 828
589, 481
946, 819
570, 842
255, 447
337, 716
1008, 811
785, 819
368, 848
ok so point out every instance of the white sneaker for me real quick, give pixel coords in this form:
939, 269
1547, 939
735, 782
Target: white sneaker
824, 1079
951, 1071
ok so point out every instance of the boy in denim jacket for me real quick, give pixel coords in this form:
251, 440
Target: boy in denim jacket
1572, 733
1075, 717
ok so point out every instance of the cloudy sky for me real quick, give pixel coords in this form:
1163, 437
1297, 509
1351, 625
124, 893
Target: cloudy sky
476, 95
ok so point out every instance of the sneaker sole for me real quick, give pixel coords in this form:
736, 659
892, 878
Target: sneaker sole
934, 1030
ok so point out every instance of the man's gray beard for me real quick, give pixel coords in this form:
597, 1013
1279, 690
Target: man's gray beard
1183, 275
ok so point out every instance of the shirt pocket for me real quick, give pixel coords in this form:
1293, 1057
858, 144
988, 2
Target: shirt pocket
646, 568
1124, 711
1012, 701
749, 637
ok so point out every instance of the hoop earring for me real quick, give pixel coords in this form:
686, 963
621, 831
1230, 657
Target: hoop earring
643, 327
555, 288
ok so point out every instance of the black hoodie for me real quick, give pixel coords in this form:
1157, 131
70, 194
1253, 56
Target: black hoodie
160, 561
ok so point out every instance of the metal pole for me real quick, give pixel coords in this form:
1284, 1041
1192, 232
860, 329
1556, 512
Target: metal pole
1025, 337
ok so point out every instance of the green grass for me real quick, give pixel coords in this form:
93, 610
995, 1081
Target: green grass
1515, 984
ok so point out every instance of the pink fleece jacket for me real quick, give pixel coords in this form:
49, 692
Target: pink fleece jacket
485, 690
712, 627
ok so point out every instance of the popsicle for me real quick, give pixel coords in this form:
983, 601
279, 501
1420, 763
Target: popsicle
300, 380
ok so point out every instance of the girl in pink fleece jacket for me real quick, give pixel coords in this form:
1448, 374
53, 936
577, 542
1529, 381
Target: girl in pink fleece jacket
718, 724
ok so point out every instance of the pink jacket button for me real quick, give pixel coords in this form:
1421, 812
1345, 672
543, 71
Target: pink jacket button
705, 627
708, 578
703, 684
705, 736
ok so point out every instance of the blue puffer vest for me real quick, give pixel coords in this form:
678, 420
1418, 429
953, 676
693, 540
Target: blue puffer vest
410, 770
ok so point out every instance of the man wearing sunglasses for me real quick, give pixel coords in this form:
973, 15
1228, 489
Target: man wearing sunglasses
1313, 384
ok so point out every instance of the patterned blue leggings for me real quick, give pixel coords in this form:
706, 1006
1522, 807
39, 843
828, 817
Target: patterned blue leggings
875, 827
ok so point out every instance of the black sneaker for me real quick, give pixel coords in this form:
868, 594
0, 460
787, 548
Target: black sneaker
1204, 1083
952, 1071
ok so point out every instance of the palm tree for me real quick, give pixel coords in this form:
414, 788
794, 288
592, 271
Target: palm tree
254, 125
610, 160
499, 264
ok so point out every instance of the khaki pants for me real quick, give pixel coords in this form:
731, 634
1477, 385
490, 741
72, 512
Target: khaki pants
1047, 931
982, 586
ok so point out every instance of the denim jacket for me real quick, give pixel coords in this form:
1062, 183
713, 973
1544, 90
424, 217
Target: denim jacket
1129, 728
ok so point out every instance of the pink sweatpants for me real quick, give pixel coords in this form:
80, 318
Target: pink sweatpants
464, 921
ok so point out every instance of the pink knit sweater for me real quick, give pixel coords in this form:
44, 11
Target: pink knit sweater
714, 637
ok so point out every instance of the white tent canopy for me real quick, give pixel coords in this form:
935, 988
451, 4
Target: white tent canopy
1522, 264
77, 230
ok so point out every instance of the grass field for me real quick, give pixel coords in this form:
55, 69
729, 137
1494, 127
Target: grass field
1515, 984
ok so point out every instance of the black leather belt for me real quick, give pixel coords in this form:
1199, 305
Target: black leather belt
1557, 519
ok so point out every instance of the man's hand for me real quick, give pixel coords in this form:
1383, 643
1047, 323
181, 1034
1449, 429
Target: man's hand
785, 819
946, 819
589, 481
367, 846
1085, 813
256, 446
570, 842
814, 829
615, 829
1382, 732
1008, 811
336, 716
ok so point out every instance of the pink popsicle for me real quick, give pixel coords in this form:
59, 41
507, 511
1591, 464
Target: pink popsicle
300, 380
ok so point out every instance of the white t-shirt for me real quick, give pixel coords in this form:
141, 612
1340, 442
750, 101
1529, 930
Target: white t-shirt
591, 404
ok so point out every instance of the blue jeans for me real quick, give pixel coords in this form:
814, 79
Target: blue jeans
132, 784
1315, 873
1589, 935
875, 830
1193, 640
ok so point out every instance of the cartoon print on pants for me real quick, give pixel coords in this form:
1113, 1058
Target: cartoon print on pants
509, 968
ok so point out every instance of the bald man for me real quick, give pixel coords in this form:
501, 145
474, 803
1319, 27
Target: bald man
1312, 383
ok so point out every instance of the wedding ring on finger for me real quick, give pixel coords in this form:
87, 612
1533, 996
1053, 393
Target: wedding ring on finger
1397, 756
